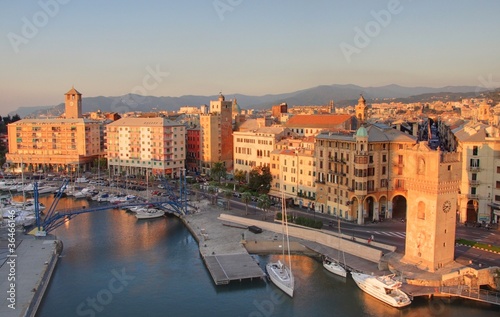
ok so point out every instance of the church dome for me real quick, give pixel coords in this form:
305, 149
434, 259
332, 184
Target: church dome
236, 107
362, 132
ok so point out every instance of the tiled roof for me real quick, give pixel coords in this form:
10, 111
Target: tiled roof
317, 121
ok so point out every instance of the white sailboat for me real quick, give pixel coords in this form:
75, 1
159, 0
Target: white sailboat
384, 288
280, 274
332, 265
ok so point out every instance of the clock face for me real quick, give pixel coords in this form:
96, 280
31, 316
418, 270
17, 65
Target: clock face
447, 206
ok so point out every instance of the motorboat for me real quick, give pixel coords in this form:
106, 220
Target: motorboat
149, 213
384, 288
334, 267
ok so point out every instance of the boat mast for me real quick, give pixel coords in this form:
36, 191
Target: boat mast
287, 239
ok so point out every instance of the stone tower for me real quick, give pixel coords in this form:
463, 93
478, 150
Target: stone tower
73, 104
432, 192
361, 110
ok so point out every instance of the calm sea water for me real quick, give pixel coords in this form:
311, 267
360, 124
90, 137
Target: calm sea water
116, 265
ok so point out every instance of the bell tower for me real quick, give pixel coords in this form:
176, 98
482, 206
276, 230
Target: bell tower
361, 111
432, 192
73, 104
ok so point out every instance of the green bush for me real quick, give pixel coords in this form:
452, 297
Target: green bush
482, 245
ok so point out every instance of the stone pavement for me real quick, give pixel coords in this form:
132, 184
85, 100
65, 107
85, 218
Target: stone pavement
31, 265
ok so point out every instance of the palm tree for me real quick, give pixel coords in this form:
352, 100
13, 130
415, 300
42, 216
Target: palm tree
196, 188
246, 197
218, 170
228, 195
211, 191
264, 202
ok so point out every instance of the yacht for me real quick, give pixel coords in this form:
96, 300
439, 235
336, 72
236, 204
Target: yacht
384, 288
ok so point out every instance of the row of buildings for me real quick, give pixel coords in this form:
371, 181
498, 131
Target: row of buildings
337, 164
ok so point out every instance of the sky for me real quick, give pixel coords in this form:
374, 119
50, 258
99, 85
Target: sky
253, 47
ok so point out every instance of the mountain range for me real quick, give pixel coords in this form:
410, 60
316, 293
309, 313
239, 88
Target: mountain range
342, 95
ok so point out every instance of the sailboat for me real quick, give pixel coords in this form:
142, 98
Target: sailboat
333, 265
280, 274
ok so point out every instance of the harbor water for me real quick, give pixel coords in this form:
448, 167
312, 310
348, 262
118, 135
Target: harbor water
115, 265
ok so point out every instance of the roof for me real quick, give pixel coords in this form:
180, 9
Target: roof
144, 122
317, 121
473, 132
73, 91
376, 133
54, 121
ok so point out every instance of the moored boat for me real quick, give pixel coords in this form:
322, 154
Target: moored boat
149, 213
384, 288
281, 276
334, 267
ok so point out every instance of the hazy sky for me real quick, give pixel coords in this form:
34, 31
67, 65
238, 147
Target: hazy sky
174, 48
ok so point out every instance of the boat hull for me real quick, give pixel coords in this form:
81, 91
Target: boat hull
149, 215
281, 276
397, 298
334, 267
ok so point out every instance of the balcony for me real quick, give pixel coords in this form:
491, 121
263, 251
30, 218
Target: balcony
473, 169
473, 182
473, 196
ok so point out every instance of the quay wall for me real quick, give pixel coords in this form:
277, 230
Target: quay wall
42, 284
356, 249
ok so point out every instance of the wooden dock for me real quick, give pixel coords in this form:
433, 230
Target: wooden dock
232, 267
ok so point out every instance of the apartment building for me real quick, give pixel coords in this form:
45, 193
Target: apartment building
360, 174
479, 198
253, 148
66, 144
146, 146
217, 135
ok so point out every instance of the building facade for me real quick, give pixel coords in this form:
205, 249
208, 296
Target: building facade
217, 135
359, 175
253, 148
146, 146
479, 188
69, 144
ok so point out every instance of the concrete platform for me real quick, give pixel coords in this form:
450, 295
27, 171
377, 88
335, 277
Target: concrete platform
232, 267
32, 263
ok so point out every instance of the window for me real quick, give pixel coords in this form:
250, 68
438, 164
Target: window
474, 150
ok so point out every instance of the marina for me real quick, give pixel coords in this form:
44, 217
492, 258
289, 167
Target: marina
224, 249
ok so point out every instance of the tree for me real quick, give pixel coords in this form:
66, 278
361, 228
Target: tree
264, 202
211, 191
240, 176
246, 197
228, 195
218, 171
260, 179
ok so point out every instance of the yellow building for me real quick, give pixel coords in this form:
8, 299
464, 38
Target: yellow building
360, 175
217, 135
68, 144
293, 168
479, 200
253, 148
146, 146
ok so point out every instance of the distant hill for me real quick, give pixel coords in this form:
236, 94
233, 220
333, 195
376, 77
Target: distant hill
320, 95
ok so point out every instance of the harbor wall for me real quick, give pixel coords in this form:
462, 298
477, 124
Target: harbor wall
318, 236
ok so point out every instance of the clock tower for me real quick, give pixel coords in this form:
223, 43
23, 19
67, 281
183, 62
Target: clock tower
73, 104
432, 193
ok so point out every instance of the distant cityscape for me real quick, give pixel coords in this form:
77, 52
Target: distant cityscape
349, 161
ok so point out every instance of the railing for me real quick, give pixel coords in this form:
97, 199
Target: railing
473, 196
473, 182
473, 169
472, 293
